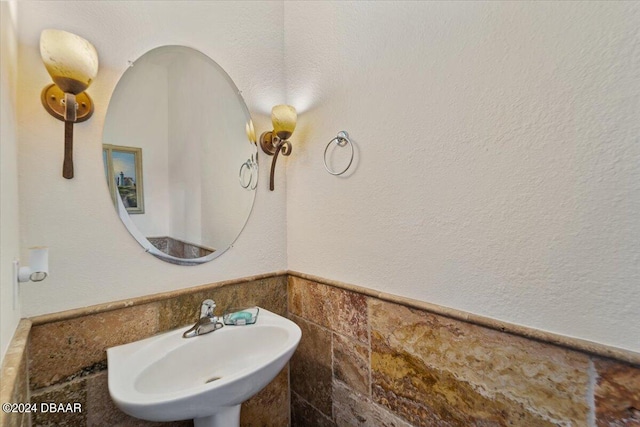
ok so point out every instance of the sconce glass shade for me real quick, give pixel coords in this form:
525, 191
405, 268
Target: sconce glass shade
251, 132
71, 60
284, 119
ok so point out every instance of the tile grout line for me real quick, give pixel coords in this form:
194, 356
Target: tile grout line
314, 408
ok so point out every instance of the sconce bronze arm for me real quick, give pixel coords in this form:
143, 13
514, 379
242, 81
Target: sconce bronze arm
70, 109
273, 145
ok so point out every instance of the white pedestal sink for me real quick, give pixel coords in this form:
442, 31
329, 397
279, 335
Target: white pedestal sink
204, 378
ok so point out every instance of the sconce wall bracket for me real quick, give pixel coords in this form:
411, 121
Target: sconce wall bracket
52, 98
269, 143
266, 142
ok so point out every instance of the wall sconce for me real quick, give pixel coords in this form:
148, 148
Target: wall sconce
283, 118
72, 63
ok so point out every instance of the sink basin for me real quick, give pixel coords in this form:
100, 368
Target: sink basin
205, 378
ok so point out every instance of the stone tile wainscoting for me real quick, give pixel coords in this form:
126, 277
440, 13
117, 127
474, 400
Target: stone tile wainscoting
366, 361
68, 360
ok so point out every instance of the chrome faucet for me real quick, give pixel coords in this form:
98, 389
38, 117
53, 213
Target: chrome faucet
208, 321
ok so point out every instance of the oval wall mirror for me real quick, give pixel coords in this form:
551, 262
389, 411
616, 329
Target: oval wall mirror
179, 156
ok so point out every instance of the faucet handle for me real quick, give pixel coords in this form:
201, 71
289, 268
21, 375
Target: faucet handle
208, 308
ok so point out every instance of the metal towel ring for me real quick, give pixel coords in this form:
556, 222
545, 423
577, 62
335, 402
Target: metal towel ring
341, 140
252, 168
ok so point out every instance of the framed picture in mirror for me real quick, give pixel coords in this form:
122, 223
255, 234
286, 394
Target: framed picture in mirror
123, 169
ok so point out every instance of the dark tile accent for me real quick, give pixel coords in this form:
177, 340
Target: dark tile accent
351, 363
305, 415
270, 407
617, 394
311, 375
341, 311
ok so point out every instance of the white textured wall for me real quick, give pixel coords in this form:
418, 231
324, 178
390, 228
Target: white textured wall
208, 147
185, 169
497, 169
92, 257
220, 221
499, 157
9, 219
138, 117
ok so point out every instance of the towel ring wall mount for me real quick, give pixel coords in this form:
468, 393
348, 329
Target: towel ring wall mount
341, 140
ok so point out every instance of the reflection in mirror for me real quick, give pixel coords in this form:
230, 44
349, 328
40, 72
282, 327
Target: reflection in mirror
177, 123
123, 169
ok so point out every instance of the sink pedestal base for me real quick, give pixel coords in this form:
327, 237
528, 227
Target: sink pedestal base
225, 417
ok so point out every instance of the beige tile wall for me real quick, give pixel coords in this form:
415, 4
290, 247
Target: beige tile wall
364, 361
